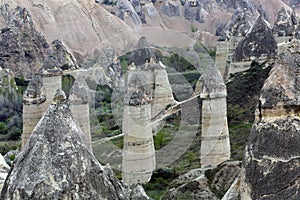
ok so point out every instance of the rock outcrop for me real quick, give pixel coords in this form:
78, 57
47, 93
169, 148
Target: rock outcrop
79, 99
272, 162
55, 164
22, 48
171, 8
4, 170
138, 160
257, 43
33, 106
215, 144
284, 25
191, 11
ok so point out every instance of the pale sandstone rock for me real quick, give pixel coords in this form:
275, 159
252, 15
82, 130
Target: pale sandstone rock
79, 100
215, 145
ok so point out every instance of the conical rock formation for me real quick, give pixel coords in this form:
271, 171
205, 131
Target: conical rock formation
272, 158
55, 164
257, 43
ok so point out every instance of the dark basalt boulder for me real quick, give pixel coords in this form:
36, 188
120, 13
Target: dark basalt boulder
257, 43
283, 25
55, 164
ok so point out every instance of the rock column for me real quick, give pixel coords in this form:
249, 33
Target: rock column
79, 99
215, 145
33, 106
138, 153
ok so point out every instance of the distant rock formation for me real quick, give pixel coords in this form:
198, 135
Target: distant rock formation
138, 160
284, 25
33, 106
8, 86
191, 11
257, 43
128, 13
4, 170
272, 159
215, 144
79, 99
55, 164
239, 24
171, 8
22, 48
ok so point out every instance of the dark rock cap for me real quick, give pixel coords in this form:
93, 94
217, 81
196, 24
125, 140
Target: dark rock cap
58, 61
212, 84
257, 43
79, 93
55, 164
35, 92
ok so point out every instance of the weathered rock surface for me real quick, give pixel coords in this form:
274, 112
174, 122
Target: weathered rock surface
128, 13
34, 106
257, 43
239, 24
22, 48
4, 170
138, 160
215, 144
79, 99
284, 25
55, 164
272, 160
171, 8
192, 12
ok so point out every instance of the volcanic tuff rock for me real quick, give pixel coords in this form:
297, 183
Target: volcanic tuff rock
239, 24
192, 13
4, 169
272, 159
55, 164
35, 92
259, 42
284, 26
22, 48
128, 13
171, 8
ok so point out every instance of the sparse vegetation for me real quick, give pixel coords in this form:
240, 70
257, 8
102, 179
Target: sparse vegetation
193, 28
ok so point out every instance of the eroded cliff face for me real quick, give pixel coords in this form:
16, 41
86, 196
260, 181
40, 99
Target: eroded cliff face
272, 159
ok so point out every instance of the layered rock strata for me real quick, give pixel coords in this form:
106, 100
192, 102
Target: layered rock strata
215, 145
138, 160
34, 106
55, 164
79, 100
272, 159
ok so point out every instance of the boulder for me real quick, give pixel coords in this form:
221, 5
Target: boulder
4, 170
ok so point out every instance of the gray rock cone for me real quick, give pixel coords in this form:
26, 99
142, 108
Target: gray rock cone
55, 164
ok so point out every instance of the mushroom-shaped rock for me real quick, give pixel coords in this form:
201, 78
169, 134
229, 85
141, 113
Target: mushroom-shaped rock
79, 99
55, 164
257, 43
283, 25
35, 92
215, 144
213, 85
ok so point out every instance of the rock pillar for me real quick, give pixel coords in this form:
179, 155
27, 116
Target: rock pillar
79, 99
138, 152
33, 106
215, 145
